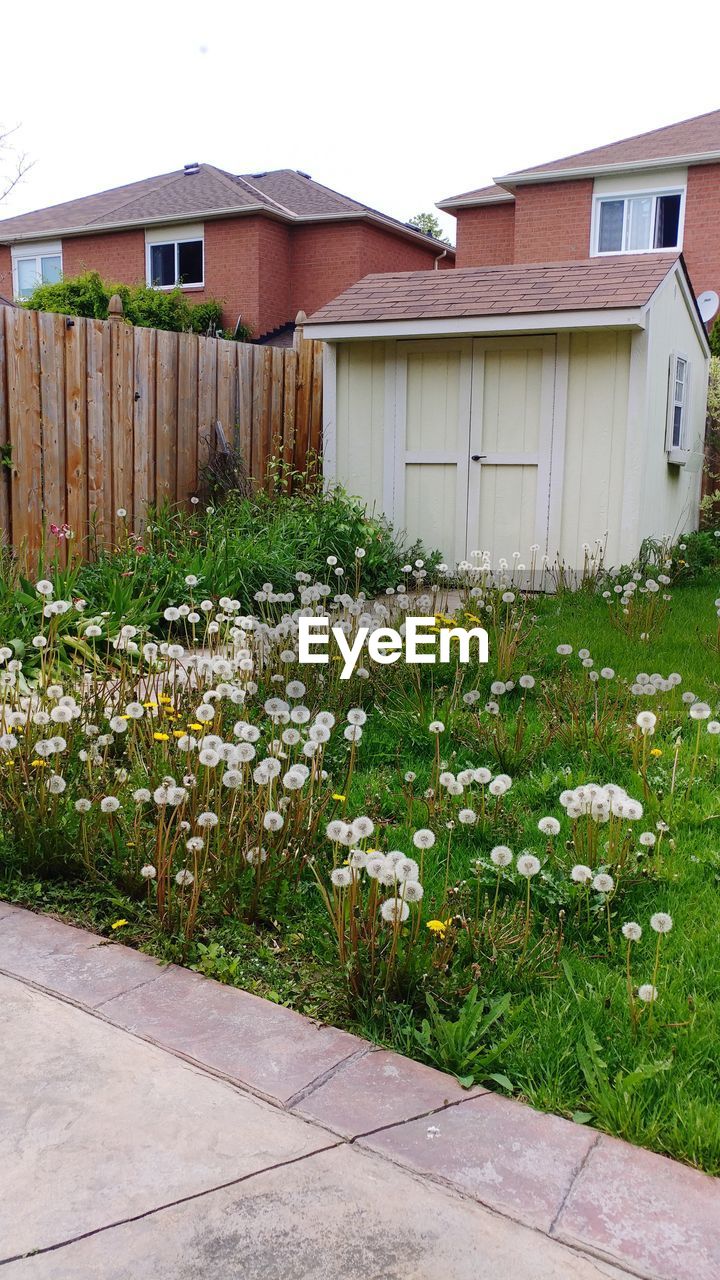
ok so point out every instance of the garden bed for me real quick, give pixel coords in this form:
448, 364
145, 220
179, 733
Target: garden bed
266, 875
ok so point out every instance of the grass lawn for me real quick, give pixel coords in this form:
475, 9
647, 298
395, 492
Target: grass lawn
533, 999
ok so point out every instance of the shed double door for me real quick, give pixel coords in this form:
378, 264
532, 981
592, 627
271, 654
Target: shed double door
473, 444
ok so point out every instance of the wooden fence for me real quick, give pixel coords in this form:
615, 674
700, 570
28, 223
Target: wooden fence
97, 416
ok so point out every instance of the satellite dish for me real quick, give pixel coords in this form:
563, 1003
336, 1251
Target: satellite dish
708, 303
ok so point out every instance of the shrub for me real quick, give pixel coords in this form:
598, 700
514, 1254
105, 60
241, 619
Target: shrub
88, 295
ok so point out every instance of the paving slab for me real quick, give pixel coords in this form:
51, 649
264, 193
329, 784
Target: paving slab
381, 1088
500, 1152
72, 962
97, 1126
656, 1215
263, 1046
340, 1215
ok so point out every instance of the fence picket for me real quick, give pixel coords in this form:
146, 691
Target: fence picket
5, 462
96, 416
143, 424
24, 428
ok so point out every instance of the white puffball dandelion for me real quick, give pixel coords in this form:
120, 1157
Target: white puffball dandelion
341, 877
632, 931
581, 874
646, 721
549, 826
647, 993
603, 883
184, 878
501, 856
528, 865
394, 911
436, 726
661, 922
424, 838
109, 804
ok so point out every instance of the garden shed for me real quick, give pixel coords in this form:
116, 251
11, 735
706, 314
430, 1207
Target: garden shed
493, 409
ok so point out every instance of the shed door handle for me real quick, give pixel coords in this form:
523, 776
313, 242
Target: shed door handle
478, 457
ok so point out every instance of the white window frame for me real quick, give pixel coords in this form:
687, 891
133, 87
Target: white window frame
33, 252
677, 454
175, 235
655, 193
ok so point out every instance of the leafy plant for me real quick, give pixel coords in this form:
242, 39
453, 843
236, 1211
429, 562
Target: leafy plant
89, 295
460, 1045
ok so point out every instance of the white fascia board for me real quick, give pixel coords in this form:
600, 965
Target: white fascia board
453, 326
595, 170
676, 273
468, 202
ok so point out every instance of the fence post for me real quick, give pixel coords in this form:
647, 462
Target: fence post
299, 331
115, 308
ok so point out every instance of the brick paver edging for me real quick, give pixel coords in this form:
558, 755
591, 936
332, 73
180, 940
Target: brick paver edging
645, 1213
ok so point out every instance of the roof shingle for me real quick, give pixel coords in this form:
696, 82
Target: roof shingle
526, 288
698, 136
284, 193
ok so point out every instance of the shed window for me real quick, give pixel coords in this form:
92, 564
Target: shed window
677, 417
638, 223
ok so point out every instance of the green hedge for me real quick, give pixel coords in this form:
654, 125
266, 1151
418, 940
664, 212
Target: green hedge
88, 295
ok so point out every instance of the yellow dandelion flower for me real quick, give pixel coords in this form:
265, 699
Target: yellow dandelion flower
118, 924
436, 926
655, 751
339, 797
165, 697
149, 704
178, 733
161, 737
37, 764
197, 727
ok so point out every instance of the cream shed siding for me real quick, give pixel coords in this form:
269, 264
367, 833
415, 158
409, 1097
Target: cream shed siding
669, 495
505, 441
360, 410
595, 438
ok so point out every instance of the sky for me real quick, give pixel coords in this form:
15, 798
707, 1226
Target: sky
395, 104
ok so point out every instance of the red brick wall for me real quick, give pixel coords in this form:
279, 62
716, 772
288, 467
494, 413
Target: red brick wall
326, 258
701, 239
552, 221
119, 256
6, 284
486, 235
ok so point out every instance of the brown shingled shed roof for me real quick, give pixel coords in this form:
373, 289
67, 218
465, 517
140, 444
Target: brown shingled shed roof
524, 289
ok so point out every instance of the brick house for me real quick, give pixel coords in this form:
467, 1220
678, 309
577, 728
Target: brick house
656, 192
267, 245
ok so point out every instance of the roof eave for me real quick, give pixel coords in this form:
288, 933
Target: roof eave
469, 326
95, 229
468, 202
526, 176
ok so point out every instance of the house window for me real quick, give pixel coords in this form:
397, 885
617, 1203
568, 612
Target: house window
677, 424
638, 223
34, 265
175, 262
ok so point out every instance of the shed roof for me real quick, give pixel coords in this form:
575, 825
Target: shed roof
520, 289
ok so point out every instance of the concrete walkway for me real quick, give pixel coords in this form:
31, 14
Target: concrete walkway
155, 1125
